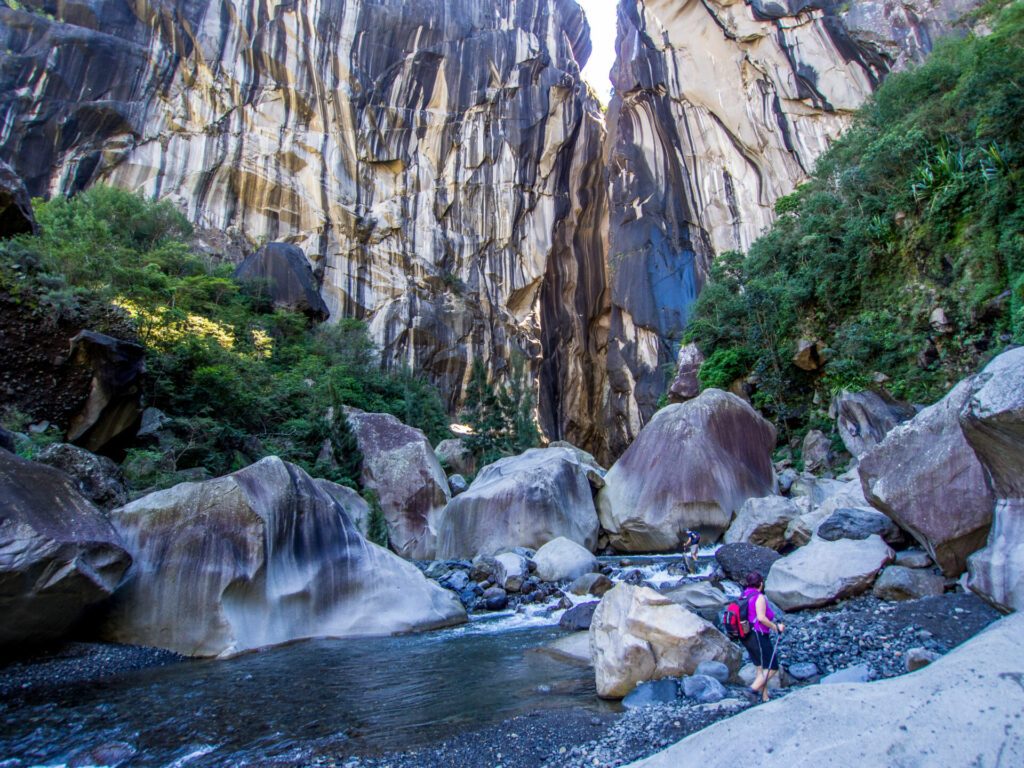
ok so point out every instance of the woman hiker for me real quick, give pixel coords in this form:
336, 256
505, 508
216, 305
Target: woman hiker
758, 641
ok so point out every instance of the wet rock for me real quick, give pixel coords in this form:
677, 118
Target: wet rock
993, 423
579, 616
591, 584
858, 523
495, 599
927, 478
763, 521
714, 669
652, 692
686, 384
652, 498
639, 635
865, 418
281, 272
98, 478
16, 217
112, 408
455, 456
737, 560
825, 571
899, 583
524, 500
563, 560
58, 553
704, 689
861, 673
886, 718
225, 579
400, 465
919, 658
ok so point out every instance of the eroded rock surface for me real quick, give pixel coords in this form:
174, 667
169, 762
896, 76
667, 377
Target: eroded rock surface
259, 557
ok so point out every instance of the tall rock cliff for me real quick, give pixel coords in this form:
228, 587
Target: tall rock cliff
439, 161
720, 108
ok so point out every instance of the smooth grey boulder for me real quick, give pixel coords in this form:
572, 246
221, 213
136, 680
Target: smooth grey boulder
962, 710
913, 558
261, 556
816, 489
737, 560
281, 271
58, 553
825, 571
354, 504
834, 495
703, 689
715, 669
864, 419
859, 673
899, 583
457, 484
98, 478
562, 559
400, 465
700, 597
495, 599
803, 671
652, 692
993, 423
928, 479
859, 523
763, 521
526, 500
579, 616
455, 456
510, 571
691, 467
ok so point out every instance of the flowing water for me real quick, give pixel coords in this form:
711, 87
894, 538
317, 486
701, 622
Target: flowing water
313, 697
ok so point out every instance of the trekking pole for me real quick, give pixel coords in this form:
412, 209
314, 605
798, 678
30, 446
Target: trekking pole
775, 650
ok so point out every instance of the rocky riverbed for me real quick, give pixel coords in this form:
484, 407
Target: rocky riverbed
861, 631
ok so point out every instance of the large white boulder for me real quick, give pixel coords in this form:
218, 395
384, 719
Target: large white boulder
960, 711
825, 571
638, 634
763, 521
563, 560
521, 501
993, 422
261, 556
691, 467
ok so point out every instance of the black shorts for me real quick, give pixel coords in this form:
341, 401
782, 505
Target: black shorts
761, 650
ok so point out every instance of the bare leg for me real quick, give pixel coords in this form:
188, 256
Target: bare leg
768, 676
760, 680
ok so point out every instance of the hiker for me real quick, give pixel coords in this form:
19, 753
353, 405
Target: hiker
691, 547
758, 641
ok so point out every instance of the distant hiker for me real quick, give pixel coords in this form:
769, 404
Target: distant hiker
690, 549
758, 641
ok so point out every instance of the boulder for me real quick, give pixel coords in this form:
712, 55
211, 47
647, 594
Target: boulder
816, 489
591, 584
638, 634
825, 571
58, 553
748, 673
261, 556
563, 560
16, 216
595, 472
400, 465
913, 558
98, 478
737, 560
457, 484
686, 384
839, 495
763, 521
993, 423
652, 692
859, 673
807, 670
691, 467
864, 419
511, 571
700, 597
455, 456
704, 689
715, 669
919, 658
112, 408
816, 451
899, 583
962, 710
350, 501
482, 568
928, 479
859, 523
573, 649
524, 500
809, 355
495, 599
281, 272
579, 616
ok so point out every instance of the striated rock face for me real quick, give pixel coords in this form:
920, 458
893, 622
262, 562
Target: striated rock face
439, 161
262, 556
282, 273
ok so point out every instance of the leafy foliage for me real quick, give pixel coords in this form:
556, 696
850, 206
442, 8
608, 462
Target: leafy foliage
501, 415
241, 379
918, 206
